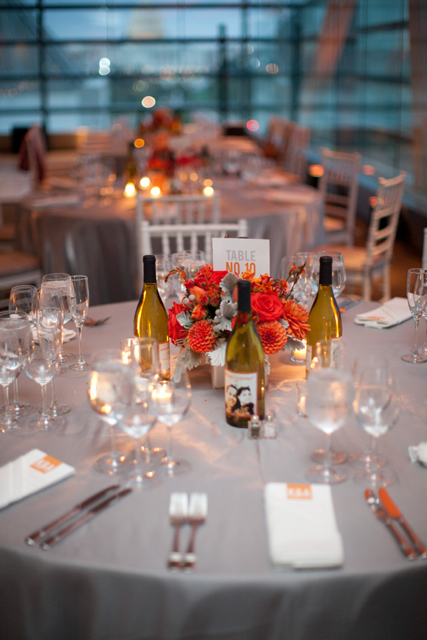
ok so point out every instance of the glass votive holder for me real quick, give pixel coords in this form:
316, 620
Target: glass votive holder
301, 398
270, 427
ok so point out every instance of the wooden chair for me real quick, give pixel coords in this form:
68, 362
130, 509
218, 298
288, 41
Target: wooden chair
295, 161
179, 209
174, 238
338, 186
364, 264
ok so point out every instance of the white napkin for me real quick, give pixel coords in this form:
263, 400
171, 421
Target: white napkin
419, 453
30, 473
53, 201
268, 180
68, 334
302, 531
290, 196
389, 314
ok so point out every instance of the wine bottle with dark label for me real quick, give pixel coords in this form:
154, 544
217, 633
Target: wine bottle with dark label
151, 320
325, 318
244, 365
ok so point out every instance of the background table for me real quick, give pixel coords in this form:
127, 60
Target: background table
109, 580
97, 237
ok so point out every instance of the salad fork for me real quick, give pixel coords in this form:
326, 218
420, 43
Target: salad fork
178, 515
197, 516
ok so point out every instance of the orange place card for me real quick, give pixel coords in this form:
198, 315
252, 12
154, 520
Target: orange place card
298, 492
46, 464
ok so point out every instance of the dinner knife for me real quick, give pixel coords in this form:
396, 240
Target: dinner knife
35, 537
395, 513
88, 515
383, 517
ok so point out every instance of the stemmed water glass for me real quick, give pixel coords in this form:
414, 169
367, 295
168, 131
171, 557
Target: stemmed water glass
23, 300
338, 271
170, 401
57, 291
49, 332
305, 287
416, 293
111, 393
16, 350
377, 408
143, 355
330, 393
43, 371
80, 309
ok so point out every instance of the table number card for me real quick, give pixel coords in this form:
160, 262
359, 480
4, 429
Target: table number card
238, 255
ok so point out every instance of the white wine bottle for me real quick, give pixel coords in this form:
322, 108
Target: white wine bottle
325, 318
151, 320
244, 365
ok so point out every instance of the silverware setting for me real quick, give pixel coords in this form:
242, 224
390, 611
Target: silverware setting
52, 533
182, 511
348, 303
91, 322
386, 512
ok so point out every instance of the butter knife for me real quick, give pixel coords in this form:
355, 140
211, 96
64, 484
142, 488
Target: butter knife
63, 533
35, 537
395, 513
383, 516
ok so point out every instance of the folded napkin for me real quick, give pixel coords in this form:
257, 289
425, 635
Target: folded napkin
68, 334
291, 196
268, 180
53, 201
419, 453
30, 473
389, 314
302, 531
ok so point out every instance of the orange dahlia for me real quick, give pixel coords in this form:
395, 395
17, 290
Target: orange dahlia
297, 318
201, 337
272, 335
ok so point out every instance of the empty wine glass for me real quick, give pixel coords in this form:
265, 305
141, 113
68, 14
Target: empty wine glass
163, 267
16, 350
80, 309
111, 392
330, 395
170, 401
416, 293
136, 422
43, 371
304, 287
143, 355
57, 291
22, 300
377, 408
338, 271
49, 332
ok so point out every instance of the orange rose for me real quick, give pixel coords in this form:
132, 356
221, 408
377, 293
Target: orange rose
199, 312
176, 332
267, 306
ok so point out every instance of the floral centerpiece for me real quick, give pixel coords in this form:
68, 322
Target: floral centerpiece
203, 320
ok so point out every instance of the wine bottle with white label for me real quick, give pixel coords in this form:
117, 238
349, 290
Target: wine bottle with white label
325, 318
151, 320
244, 365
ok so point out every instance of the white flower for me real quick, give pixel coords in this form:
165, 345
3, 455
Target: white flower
185, 320
228, 283
293, 344
217, 356
189, 359
224, 316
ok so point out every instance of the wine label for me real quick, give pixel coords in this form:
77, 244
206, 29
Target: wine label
241, 394
164, 357
335, 346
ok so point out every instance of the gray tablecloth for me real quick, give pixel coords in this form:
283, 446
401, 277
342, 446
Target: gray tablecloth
109, 581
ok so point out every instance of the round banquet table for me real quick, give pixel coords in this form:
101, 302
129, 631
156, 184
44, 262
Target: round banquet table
109, 581
97, 237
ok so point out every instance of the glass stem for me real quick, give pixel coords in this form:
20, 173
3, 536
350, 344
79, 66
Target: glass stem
54, 402
139, 459
81, 359
169, 455
44, 416
7, 414
372, 466
415, 349
16, 402
327, 463
114, 452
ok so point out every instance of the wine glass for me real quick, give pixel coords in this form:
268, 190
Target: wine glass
163, 267
23, 300
43, 371
177, 260
111, 392
170, 401
57, 291
305, 287
16, 350
49, 332
143, 355
330, 395
338, 271
80, 309
377, 408
416, 293
136, 422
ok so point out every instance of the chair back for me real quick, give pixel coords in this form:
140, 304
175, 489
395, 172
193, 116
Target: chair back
180, 209
181, 237
339, 186
384, 219
296, 155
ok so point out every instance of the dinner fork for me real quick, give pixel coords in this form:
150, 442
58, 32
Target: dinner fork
197, 516
178, 515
